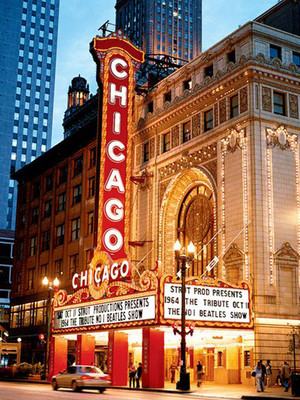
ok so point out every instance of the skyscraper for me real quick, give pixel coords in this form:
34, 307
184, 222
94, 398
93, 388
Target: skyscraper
28, 31
171, 27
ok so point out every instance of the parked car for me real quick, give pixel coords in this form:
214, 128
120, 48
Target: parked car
79, 377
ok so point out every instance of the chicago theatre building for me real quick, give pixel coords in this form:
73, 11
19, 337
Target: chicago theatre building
210, 155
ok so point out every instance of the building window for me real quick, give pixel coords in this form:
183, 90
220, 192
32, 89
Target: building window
61, 202
88, 256
63, 174
75, 229
279, 103
275, 51
234, 106
30, 279
92, 187
78, 164
296, 59
76, 194
247, 358
146, 152
187, 85
58, 267
47, 209
90, 225
186, 131
60, 235
150, 107
44, 270
166, 142
46, 240
33, 244
22, 221
18, 282
231, 56
208, 120
36, 189
209, 71
92, 157
167, 96
74, 265
20, 251
35, 215
49, 183
220, 359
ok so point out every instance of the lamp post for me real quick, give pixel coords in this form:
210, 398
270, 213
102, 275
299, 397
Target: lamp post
184, 259
51, 287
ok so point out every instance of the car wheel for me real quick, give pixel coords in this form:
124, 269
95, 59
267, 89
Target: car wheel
74, 387
101, 390
54, 385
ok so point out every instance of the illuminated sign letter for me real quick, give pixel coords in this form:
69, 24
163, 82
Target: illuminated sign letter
114, 210
115, 181
115, 144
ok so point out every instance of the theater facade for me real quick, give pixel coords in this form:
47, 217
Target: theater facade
210, 155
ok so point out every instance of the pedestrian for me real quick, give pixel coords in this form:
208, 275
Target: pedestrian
269, 373
199, 373
264, 373
138, 375
132, 372
258, 377
285, 375
173, 369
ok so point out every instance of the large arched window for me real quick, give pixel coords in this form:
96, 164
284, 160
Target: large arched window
196, 223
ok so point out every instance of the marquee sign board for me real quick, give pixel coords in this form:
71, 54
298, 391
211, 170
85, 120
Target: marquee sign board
209, 303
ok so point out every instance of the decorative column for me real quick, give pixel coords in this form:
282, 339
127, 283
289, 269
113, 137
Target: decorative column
58, 355
153, 358
85, 350
117, 358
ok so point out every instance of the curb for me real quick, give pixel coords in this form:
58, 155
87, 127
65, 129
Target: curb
247, 397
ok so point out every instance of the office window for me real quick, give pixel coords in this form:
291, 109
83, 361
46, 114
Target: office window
208, 120
30, 280
92, 157
76, 194
36, 189
48, 208
186, 131
44, 270
49, 183
231, 57
74, 265
33, 245
90, 225
61, 202
58, 265
146, 152
296, 59
209, 71
275, 51
75, 229
187, 85
45, 240
166, 142
78, 164
35, 215
92, 187
60, 235
167, 96
22, 221
88, 256
150, 107
20, 250
234, 106
18, 282
279, 103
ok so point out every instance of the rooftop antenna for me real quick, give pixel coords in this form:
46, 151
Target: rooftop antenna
107, 28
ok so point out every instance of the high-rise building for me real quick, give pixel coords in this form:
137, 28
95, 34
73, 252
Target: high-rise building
28, 31
170, 27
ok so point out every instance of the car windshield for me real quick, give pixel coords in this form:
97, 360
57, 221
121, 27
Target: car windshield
88, 369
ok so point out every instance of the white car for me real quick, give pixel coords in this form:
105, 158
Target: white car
79, 377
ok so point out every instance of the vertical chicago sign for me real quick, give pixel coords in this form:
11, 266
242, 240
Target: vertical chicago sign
118, 62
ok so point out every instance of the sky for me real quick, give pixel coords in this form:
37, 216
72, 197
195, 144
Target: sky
79, 21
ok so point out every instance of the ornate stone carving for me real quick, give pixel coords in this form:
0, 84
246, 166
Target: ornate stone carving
175, 136
212, 167
286, 256
138, 155
196, 125
294, 108
199, 218
266, 99
281, 138
235, 140
243, 100
276, 62
152, 147
216, 115
222, 109
234, 255
189, 160
163, 188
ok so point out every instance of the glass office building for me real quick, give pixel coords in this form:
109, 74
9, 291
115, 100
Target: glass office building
170, 27
28, 31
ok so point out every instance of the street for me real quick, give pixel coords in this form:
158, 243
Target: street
24, 391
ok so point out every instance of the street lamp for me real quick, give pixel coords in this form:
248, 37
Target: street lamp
184, 259
51, 287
